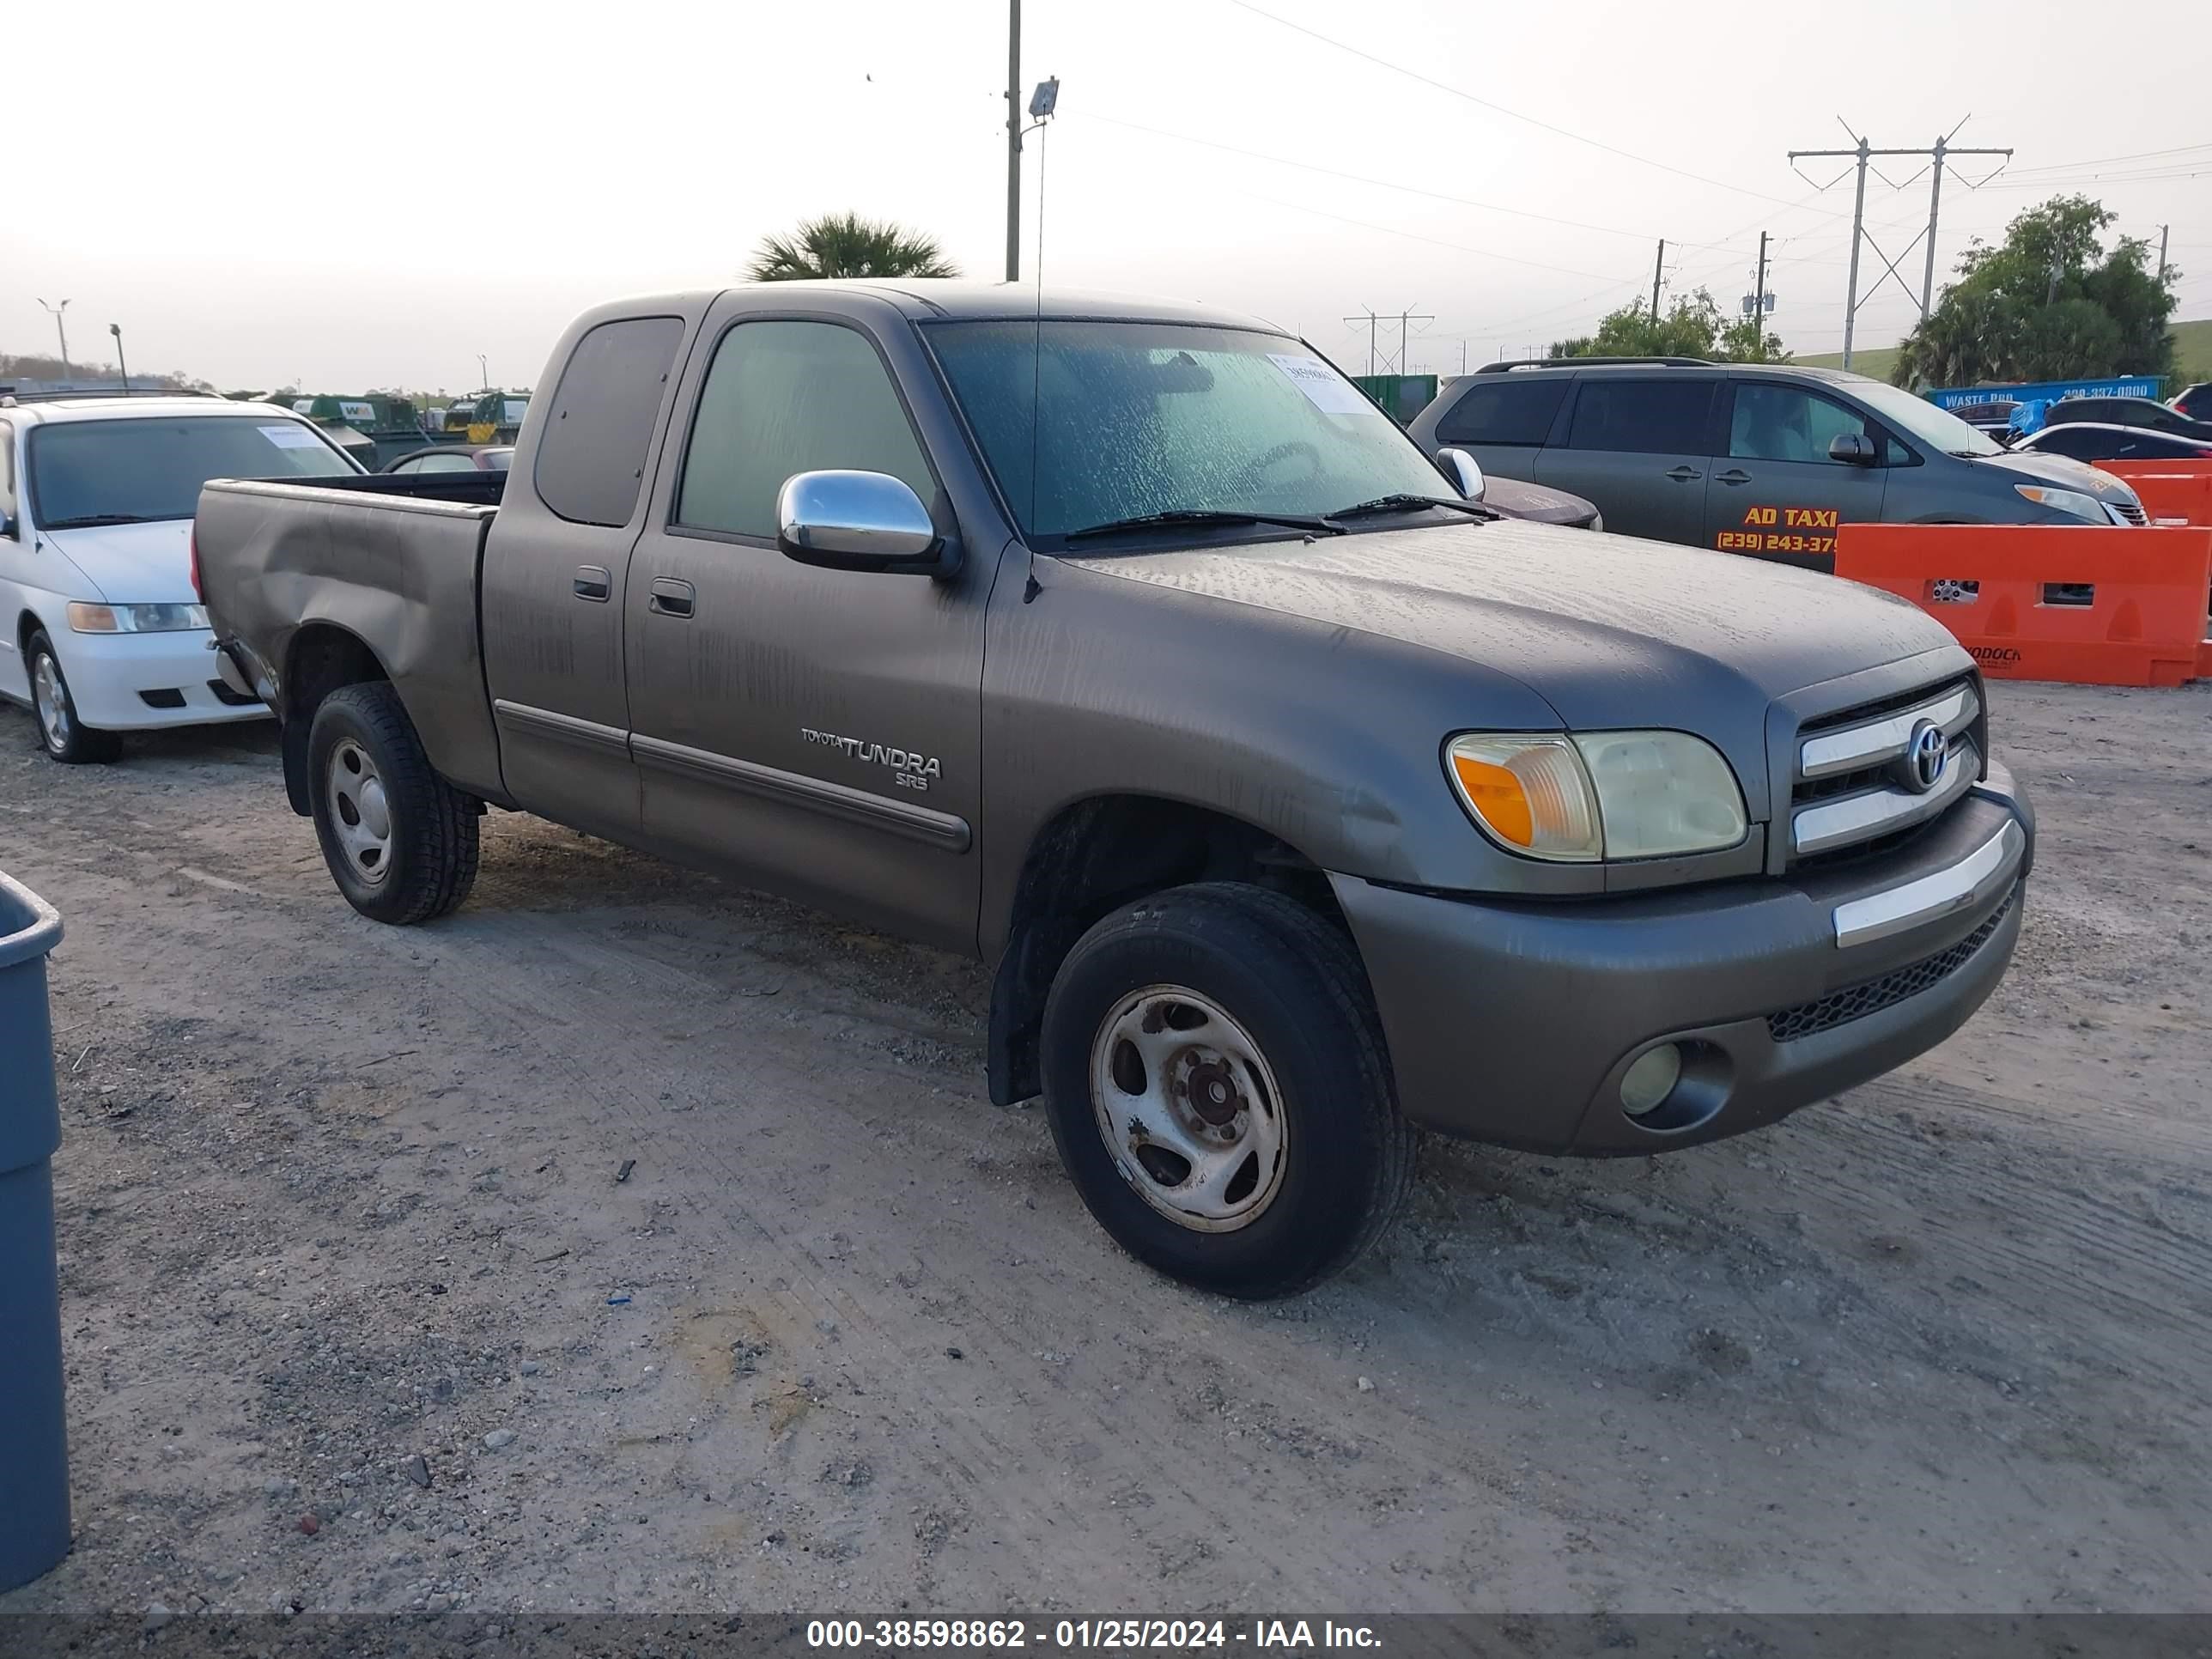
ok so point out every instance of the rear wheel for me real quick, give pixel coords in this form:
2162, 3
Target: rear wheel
400, 842
1218, 1088
61, 733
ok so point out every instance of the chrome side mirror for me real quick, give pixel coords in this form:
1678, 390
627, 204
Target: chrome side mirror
844, 520
1853, 449
1460, 467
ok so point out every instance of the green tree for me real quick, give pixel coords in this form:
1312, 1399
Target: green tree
2050, 302
1692, 327
846, 244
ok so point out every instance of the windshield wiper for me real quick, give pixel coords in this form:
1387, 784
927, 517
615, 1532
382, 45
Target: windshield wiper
94, 520
1404, 503
1204, 516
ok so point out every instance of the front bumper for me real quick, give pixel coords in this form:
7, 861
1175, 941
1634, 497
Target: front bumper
107, 673
1513, 1023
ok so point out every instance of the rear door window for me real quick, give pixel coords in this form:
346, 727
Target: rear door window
1504, 410
1788, 423
1642, 417
591, 456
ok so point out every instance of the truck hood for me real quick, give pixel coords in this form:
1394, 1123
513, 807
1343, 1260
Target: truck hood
132, 564
2062, 471
1611, 631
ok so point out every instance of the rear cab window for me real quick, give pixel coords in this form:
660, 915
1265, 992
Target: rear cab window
1504, 409
591, 456
1656, 417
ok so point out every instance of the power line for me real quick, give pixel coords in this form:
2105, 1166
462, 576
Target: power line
1362, 179
1501, 109
1412, 236
2099, 160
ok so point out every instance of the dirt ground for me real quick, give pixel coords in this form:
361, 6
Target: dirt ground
336, 1198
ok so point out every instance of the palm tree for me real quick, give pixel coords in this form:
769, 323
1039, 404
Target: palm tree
846, 244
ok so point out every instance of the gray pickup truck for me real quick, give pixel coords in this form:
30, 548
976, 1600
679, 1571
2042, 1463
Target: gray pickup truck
1300, 801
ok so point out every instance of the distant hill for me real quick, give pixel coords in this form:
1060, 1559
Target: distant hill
2192, 342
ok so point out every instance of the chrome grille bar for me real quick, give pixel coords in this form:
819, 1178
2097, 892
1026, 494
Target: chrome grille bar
1883, 810
1855, 748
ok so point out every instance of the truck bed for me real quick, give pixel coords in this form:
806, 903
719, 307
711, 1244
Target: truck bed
290, 572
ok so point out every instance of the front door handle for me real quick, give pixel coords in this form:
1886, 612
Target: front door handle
671, 597
1735, 475
594, 583
1684, 474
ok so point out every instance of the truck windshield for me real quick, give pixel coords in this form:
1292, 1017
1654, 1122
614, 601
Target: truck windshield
1135, 419
137, 470
1939, 428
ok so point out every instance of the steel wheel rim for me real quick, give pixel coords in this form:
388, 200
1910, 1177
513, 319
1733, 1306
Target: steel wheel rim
51, 700
361, 812
1189, 1109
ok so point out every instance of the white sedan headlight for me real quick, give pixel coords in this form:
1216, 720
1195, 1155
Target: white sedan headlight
137, 618
1599, 794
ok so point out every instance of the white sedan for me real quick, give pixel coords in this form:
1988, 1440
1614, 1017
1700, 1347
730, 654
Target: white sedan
103, 633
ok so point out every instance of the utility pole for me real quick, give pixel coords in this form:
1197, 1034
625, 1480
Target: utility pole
1861, 154
2162, 230
121, 362
1404, 318
1658, 266
1758, 300
1935, 196
1013, 140
59, 328
1369, 318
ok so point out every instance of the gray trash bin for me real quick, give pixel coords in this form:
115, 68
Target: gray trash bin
34, 1508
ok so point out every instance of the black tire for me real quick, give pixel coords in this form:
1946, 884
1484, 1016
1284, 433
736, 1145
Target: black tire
427, 861
77, 744
1294, 983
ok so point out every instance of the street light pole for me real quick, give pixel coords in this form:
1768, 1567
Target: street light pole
1013, 140
121, 363
60, 329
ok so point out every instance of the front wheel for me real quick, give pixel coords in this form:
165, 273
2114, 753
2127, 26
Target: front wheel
1218, 1088
400, 842
63, 735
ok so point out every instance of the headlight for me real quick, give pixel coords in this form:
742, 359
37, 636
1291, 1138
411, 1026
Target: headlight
137, 618
2071, 503
1599, 794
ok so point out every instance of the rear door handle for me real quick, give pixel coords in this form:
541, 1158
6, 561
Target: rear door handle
1735, 475
594, 583
671, 597
1684, 474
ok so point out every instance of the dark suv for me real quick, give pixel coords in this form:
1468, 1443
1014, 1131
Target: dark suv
1753, 457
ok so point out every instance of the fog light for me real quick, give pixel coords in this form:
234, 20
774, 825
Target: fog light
1647, 1083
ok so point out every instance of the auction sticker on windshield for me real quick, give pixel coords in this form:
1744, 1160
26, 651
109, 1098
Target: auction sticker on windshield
289, 436
1326, 389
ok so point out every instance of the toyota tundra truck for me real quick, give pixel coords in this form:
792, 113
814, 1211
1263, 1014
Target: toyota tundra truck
1299, 802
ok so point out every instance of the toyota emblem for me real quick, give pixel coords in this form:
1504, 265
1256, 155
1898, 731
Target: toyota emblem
1925, 755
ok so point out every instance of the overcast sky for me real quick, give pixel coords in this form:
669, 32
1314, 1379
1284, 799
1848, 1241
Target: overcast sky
345, 197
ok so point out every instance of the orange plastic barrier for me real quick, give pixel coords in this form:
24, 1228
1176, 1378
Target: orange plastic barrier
2170, 489
2089, 606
